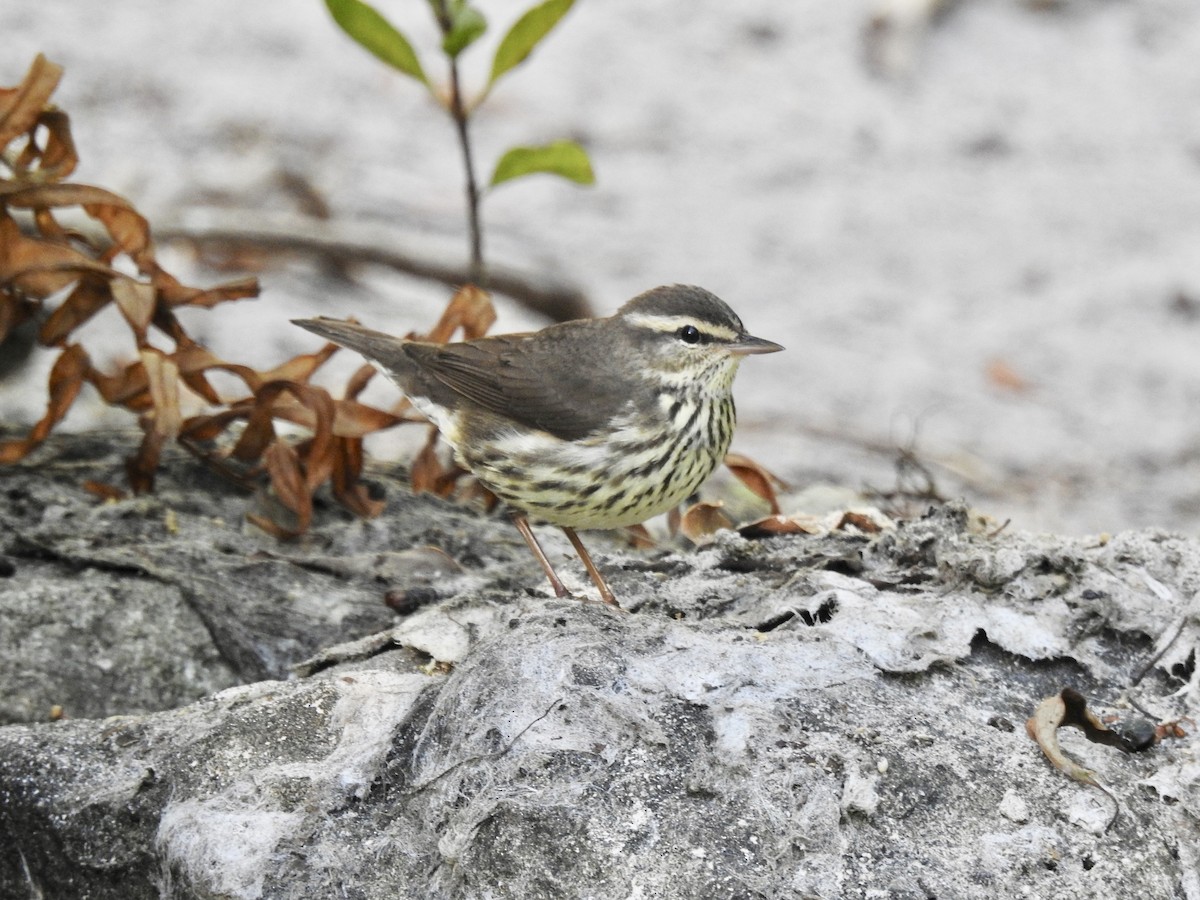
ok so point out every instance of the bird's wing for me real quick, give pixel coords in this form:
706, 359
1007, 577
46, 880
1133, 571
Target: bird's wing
554, 384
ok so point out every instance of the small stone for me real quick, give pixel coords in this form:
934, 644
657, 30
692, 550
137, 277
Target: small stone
1013, 807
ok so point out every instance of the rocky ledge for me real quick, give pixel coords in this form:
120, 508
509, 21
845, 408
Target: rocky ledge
398, 708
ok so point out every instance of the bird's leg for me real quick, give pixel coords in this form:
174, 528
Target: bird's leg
560, 589
606, 593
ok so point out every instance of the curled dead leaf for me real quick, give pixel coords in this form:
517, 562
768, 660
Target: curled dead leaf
174, 294
1068, 708
858, 521
23, 110
299, 368
91, 294
128, 388
471, 310
640, 538
37, 267
769, 526
356, 420
757, 478
66, 379
21, 106
359, 381
136, 300
140, 468
349, 491
702, 520
1050, 715
427, 474
56, 158
162, 380
288, 489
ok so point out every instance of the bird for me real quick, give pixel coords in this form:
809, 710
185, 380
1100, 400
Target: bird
591, 423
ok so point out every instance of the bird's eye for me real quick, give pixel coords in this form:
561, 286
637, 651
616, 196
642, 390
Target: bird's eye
689, 334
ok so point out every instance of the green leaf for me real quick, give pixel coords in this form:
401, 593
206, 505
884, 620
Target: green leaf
563, 158
525, 34
363, 23
466, 28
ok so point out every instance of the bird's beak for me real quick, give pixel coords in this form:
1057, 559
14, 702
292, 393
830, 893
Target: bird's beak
746, 345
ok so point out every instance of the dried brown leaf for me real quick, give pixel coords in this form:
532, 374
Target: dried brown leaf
756, 477
21, 106
349, 491
861, 521
315, 406
136, 300
48, 227
1042, 727
166, 322
1069, 708
58, 157
19, 195
162, 378
178, 295
207, 427
128, 388
127, 228
773, 525
56, 259
201, 386
639, 537
140, 467
194, 360
473, 490
702, 520
355, 420
426, 473
66, 378
288, 485
471, 310
321, 458
351, 419
40, 267
90, 295
359, 380
300, 368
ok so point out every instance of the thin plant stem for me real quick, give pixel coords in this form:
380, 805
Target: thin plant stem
459, 113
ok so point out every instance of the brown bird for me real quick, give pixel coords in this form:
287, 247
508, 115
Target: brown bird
594, 423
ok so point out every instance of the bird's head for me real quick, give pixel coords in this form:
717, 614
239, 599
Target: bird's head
684, 334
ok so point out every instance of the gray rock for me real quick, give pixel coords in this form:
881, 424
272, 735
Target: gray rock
817, 716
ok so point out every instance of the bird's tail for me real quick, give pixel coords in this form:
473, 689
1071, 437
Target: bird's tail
384, 349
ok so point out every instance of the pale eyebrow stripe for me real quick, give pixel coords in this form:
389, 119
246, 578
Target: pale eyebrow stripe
668, 324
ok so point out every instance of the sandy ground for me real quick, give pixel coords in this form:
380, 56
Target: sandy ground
990, 257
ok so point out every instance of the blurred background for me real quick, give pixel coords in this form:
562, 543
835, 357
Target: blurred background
975, 226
